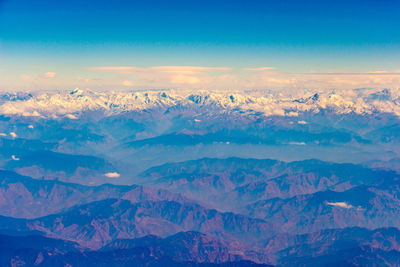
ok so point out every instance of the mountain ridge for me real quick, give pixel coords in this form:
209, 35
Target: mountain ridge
68, 103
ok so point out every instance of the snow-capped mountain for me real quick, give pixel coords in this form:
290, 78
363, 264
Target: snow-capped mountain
282, 103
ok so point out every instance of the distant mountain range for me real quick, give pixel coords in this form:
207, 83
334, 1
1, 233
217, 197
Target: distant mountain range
70, 104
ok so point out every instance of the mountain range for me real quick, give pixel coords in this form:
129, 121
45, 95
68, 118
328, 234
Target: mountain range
200, 178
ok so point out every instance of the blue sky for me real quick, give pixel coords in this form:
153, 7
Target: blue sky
259, 43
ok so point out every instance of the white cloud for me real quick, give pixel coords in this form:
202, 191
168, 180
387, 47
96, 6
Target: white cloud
376, 73
123, 70
25, 77
13, 135
71, 116
30, 126
3, 134
168, 76
297, 143
258, 69
127, 83
112, 175
13, 157
344, 205
48, 75
343, 80
184, 79
81, 79
188, 69
302, 122
194, 77
169, 69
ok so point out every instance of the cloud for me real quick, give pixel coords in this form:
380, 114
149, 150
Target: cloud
112, 175
127, 83
165, 69
123, 70
343, 80
48, 75
25, 77
184, 79
188, 69
195, 77
323, 80
13, 135
81, 79
3, 134
30, 126
258, 69
13, 157
371, 73
167, 76
340, 204
297, 143
71, 116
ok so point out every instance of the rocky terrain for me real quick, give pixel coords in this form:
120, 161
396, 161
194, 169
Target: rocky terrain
166, 178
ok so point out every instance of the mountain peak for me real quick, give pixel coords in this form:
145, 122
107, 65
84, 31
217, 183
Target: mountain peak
268, 103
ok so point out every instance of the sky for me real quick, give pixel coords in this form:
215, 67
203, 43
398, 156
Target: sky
208, 44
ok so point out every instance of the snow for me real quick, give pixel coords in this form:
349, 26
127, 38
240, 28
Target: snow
344, 205
283, 103
71, 116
